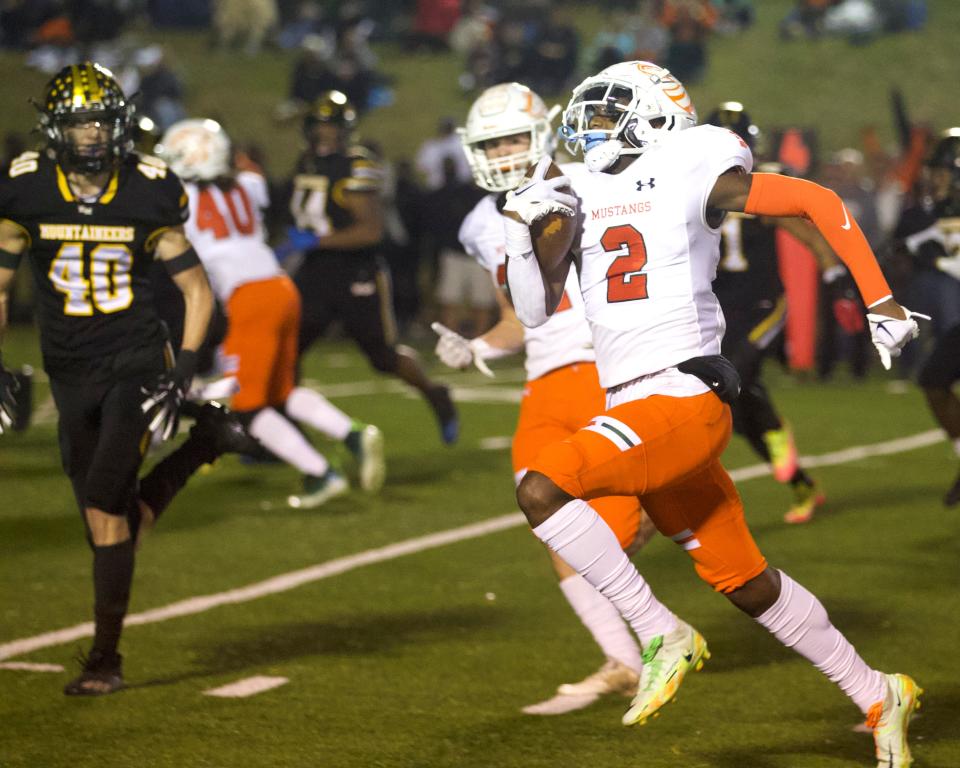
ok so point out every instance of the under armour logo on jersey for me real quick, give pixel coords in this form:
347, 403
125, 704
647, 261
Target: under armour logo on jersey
86, 210
641, 185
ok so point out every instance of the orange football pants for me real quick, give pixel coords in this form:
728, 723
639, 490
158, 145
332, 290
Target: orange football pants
666, 451
264, 323
553, 408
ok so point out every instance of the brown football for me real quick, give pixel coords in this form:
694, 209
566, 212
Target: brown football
552, 235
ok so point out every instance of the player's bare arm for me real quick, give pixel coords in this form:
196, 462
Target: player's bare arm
507, 334
193, 284
367, 227
768, 194
13, 240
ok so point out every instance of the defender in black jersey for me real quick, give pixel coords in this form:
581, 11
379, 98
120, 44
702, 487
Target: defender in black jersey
930, 232
335, 203
92, 215
751, 295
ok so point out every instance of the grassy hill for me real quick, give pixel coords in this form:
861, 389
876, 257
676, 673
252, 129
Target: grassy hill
828, 84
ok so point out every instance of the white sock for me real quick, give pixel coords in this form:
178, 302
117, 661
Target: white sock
602, 621
283, 439
799, 621
583, 540
956, 446
313, 409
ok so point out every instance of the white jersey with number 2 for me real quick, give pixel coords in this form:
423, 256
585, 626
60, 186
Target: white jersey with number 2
565, 338
226, 229
648, 256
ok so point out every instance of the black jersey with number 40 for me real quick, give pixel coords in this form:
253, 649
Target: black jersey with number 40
91, 259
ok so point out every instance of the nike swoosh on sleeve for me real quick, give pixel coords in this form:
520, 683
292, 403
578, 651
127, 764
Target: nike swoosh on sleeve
846, 219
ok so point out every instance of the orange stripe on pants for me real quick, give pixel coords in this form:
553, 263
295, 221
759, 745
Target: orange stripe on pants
264, 322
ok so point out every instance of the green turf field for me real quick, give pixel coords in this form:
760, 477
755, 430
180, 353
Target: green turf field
425, 658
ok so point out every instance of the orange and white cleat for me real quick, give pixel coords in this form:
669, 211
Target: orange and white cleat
890, 718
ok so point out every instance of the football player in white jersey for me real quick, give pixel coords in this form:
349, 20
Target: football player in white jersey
263, 312
508, 129
649, 208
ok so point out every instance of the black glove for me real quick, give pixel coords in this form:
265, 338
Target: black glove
8, 399
165, 395
717, 373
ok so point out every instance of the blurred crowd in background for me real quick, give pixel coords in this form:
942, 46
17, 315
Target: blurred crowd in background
536, 42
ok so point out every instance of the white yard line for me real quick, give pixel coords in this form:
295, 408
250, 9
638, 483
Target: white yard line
249, 686
288, 581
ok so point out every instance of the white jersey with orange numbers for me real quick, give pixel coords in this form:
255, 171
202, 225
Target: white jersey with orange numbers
565, 338
226, 229
648, 256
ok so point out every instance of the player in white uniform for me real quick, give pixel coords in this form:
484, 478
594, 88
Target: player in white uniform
263, 312
508, 129
650, 207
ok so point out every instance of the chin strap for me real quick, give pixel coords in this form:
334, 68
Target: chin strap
603, 155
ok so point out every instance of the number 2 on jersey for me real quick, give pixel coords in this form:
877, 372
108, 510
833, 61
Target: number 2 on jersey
625, 281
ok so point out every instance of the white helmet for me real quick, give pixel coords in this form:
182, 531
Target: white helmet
504, 110
647, 101
196, 150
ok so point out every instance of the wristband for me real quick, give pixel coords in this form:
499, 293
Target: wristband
186, 365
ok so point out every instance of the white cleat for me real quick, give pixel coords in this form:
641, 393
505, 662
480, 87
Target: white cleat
612, 677
372, 465
319, 490
666, 661
890, 718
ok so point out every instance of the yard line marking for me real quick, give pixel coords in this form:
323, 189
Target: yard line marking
249, 686
26, 666
289, 581
274, 585
496, 442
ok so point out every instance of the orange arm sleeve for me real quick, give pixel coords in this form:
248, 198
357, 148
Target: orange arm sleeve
774, 195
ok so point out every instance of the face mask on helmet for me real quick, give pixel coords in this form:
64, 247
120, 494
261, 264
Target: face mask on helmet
501, 113
196, 150
86, 118
625, 110
333, 109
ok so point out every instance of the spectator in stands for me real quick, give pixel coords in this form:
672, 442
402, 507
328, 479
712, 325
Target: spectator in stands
433, 152
689, 23
161, 90
553, 55
243, 24
432, 23
308, 20
465, 292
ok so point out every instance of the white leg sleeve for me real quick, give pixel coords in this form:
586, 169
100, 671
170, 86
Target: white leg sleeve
799, 621
581, 538
283, 439
312, 408
603, 621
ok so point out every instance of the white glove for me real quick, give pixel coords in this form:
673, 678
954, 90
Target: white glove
458, 352
890, 335
538, 197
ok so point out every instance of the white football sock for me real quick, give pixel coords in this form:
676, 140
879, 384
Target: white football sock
603, 621
312, 408
582, 539
799, 621
283, 439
